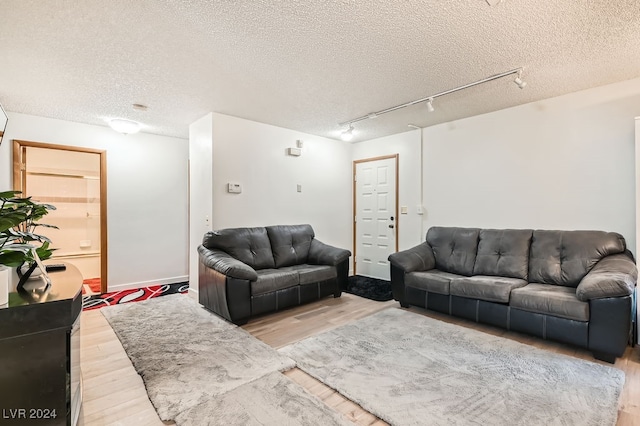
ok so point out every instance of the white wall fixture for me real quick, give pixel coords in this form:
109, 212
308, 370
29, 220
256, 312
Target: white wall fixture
234, 188
347, 135
126, 127
294, 152
299, 143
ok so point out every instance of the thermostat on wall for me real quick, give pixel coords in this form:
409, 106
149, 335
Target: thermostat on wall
234, 188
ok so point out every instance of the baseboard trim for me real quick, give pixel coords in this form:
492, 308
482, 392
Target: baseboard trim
128, 286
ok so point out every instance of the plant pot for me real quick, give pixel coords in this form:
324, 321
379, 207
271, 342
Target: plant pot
5, 275
34, 274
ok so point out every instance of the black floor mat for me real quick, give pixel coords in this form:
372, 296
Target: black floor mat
371, 288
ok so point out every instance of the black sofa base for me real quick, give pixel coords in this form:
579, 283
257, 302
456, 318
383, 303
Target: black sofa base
293, 296
600, 335
231, 298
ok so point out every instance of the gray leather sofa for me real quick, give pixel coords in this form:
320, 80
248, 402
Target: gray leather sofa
244, 272
575, 287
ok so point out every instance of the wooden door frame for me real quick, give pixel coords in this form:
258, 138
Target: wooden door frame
397, 221
19, 184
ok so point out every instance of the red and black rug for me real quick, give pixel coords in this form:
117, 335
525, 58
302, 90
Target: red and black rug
132, 295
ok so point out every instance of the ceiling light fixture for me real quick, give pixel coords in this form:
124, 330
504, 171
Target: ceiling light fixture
347, 135
429, 99
126, 127
430, 107
518, 80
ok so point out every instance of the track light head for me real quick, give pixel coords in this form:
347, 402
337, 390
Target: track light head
430, 107
347, 135
518, 80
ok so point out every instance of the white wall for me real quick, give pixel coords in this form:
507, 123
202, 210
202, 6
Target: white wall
407, 146
253, 155
146, 193
200, 190
561, 163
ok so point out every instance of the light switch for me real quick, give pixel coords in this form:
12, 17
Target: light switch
404, 209
299, 188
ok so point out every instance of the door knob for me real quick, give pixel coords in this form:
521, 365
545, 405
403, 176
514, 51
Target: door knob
391, 218
391, 226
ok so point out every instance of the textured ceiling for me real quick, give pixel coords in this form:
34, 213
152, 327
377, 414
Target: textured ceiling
304, 65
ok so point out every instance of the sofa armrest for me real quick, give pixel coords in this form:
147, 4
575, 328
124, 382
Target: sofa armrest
324, 254
612, 276
418, 258
226, 264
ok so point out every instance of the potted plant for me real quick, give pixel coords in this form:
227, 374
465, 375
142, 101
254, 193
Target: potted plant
19, 243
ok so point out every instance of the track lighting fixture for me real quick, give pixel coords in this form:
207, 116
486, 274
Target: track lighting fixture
518, 80
347, 135
430, 107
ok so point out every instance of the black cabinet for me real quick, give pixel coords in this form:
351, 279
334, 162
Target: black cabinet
40, 380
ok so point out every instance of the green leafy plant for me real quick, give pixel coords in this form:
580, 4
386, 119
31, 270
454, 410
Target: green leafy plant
18, 222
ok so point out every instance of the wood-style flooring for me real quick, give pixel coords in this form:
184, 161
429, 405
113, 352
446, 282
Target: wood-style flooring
114, 394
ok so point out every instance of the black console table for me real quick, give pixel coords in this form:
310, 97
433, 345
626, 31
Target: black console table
40, 378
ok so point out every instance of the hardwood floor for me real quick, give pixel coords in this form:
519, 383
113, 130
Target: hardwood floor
114, 394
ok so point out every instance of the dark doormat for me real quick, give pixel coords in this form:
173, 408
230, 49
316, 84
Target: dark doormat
371, 288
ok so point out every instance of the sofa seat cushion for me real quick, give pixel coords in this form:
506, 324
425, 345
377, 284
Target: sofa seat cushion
312, 273
433, 281
558, 301
270, 280
489, 288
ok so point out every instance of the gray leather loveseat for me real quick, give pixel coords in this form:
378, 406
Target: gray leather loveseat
575, 287
245, 272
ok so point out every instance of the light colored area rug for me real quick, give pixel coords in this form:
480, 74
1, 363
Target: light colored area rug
271, 400
192, 361
413, 370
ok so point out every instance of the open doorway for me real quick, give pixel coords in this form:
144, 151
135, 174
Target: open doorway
74, 181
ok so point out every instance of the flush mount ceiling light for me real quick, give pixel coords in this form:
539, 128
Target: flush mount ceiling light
430, 107
348, 134
126, 127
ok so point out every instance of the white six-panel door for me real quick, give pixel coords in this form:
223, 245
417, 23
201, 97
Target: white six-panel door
375, 216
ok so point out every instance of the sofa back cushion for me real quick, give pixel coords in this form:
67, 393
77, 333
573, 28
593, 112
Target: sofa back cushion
565, 257
290, 243
248, 245
503, 253
454, 248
